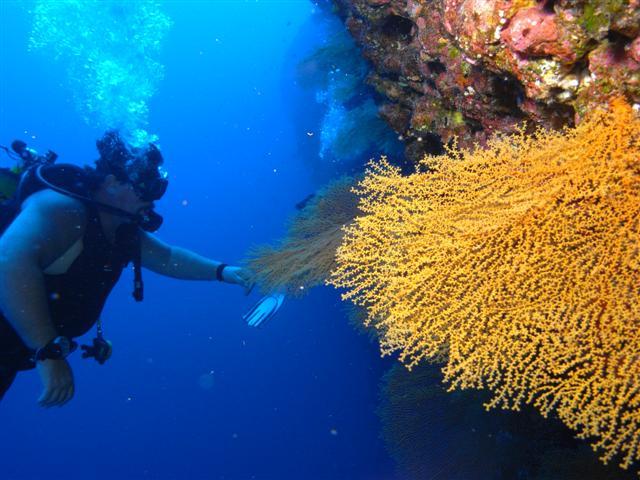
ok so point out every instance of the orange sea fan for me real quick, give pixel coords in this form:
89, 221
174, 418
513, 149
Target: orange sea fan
519, 266
307, 255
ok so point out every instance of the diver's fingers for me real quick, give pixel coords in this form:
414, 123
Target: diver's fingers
59, 396
56, 377
68, 395
63, 392
45, 397
245, 274
50, 397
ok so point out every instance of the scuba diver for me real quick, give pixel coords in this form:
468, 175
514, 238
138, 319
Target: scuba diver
66, 233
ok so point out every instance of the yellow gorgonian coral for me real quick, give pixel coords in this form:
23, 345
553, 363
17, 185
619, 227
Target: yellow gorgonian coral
518, 265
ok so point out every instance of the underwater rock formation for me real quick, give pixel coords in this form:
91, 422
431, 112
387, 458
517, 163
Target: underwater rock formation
470, 68
433, 433
350, 131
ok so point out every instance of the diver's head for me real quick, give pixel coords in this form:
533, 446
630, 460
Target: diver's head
132, 178
141, 167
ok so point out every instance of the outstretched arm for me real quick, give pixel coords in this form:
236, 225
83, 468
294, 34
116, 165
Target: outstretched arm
184, 264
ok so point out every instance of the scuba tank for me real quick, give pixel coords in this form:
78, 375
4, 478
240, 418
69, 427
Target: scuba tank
9, 179
25, 158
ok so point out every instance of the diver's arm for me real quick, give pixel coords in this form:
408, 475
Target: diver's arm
175, 262
181, 263
45, 229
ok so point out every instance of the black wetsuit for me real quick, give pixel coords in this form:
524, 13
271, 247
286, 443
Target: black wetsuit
75, 298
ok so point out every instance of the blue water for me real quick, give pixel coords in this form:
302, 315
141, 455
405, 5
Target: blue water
191, 391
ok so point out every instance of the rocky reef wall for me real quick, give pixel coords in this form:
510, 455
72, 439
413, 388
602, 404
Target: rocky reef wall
470, 68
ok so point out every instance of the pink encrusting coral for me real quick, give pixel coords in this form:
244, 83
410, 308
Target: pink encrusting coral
471, 68
536, 31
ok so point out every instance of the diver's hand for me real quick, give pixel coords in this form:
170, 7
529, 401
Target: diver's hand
240, 276
57, 380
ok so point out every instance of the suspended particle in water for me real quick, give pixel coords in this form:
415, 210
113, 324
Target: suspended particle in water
206, 380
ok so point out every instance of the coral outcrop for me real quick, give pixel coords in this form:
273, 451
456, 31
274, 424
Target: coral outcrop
471, 68
351, 131
306, 256
417, 414
519, 266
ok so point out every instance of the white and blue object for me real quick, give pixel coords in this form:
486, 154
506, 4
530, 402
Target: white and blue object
264, 309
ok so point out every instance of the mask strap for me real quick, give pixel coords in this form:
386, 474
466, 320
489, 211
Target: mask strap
82, 198
138, 286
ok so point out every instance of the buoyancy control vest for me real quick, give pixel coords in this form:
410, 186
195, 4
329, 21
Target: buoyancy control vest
76, 296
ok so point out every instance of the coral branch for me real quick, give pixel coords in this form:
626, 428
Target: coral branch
305, 258
518, 265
